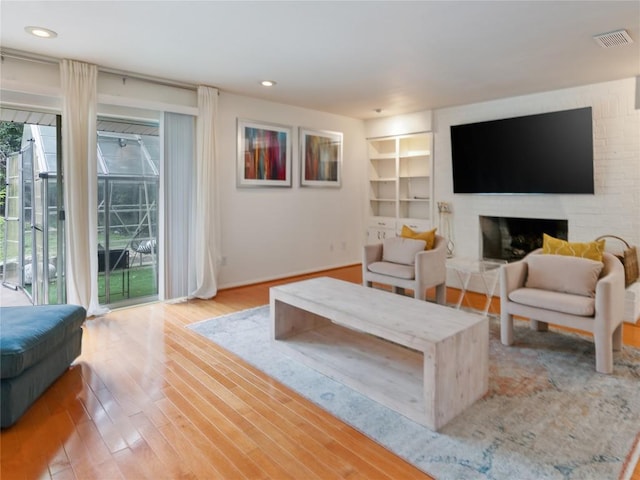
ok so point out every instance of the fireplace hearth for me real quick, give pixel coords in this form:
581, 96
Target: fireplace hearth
511, 238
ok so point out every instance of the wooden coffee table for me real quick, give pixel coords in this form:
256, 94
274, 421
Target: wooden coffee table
426, 361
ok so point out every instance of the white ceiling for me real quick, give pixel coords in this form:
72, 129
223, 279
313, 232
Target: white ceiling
347, 58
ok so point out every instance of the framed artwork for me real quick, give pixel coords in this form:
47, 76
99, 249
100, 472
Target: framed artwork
264, 155
320, 158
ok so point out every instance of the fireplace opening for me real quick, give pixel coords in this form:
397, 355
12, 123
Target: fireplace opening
510, 239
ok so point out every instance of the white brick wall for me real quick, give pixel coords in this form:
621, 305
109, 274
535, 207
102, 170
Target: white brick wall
615, 207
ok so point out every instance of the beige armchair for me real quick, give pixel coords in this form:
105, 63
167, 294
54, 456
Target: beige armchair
404, 263
572, 292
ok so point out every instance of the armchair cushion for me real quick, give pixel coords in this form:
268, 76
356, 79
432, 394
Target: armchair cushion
429, 236
557, 246
393, 270
401, 250
564, 274
556, 301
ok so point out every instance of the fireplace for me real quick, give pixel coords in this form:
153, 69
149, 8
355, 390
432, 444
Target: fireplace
509, 238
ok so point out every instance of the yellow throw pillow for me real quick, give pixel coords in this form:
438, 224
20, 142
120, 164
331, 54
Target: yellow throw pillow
428, 236
557, 246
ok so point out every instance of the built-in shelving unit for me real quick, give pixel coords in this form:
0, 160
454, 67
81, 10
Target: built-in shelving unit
400, 184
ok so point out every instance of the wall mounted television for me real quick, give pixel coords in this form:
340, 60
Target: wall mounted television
534, 154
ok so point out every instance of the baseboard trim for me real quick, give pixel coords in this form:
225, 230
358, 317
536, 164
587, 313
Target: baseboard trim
291, 275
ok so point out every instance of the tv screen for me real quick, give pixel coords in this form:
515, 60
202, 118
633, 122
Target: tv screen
544, 153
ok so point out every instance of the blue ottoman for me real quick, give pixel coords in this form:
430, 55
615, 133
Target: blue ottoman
37, 345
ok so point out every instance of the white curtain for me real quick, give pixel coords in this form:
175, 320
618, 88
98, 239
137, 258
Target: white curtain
178, 200
206, 229
79, 164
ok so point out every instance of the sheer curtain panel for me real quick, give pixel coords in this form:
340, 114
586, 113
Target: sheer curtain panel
179, 177
79, 165
206, 209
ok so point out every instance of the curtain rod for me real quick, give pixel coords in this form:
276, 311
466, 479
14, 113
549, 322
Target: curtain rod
37, 58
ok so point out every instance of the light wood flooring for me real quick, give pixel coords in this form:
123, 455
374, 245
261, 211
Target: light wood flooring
149, 399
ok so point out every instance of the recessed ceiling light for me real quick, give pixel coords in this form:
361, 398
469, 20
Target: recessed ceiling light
41, 32
267, 83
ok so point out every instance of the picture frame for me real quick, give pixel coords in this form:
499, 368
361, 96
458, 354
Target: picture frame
264, 154
320, 158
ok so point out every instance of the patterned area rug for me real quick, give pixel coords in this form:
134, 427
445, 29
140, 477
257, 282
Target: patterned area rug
547, 415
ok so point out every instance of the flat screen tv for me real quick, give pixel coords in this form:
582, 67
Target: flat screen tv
544, 153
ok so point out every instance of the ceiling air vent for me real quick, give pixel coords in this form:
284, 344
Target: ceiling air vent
613, 39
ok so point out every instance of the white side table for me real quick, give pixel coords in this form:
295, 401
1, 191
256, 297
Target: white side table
632, 303
487, 271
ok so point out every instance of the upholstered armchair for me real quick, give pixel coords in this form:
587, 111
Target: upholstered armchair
573, 292
404, 263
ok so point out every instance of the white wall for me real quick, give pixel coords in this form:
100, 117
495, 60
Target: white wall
266, 233
615, 206
276, 232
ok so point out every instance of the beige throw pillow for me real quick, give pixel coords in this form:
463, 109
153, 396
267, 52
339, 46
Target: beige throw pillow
401, 250
428, 236
561, 273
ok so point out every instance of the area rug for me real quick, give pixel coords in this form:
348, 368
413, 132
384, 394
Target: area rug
547, 415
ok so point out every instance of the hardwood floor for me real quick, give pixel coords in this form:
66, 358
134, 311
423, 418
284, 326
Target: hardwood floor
149, 399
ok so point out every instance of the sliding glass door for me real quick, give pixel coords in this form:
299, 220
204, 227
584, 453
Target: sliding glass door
32, 225
32, 220
128, 189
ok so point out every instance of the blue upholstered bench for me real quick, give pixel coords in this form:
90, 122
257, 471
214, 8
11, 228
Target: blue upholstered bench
37, 345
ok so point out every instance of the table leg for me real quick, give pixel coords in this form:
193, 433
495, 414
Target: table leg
488, 291
288, 320
464, 282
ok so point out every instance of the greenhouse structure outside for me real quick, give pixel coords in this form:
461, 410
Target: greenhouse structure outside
128, 182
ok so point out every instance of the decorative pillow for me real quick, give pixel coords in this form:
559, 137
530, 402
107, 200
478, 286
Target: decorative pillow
557, 246
563, 273
428, 236
401, 250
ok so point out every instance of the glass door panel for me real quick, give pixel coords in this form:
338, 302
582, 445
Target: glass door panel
29, 251
127, 215
34, 242
12, 228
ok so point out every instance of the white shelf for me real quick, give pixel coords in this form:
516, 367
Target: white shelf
415, 153
400, 170
415, 223
386, 156
386, 222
